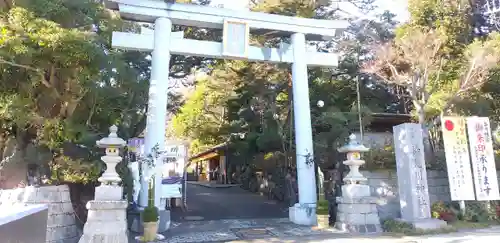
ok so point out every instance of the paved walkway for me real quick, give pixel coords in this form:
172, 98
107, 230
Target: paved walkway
282, 231
209, 203
239, 229
237, 216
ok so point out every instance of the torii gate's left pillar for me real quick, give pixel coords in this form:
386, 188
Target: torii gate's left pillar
157, 112
303, 212
158, 98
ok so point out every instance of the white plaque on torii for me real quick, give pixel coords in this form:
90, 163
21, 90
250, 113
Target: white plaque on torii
235, 39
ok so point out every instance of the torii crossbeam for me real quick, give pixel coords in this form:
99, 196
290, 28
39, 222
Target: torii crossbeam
237, 27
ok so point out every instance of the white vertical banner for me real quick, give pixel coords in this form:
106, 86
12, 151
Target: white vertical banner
483, 158
457, 158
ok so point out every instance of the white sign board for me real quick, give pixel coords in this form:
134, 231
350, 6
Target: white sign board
483, 159
457, 158
174, 161
411, 171
171, 191
235, 39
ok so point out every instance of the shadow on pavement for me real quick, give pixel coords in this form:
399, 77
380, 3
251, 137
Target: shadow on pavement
227, 203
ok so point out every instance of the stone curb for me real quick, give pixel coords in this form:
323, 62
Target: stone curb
210, 185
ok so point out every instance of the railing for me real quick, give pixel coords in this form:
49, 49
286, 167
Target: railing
23, 223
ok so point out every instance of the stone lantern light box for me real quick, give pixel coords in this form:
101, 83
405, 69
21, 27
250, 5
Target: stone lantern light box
112, 151
353, 152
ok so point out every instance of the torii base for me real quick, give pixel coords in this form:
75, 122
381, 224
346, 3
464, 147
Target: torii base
303, 214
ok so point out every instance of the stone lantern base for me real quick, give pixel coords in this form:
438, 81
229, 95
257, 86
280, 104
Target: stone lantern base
357, 211
106, 222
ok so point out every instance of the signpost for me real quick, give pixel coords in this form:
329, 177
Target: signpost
479, 183
483, 158
174, 160
457, 159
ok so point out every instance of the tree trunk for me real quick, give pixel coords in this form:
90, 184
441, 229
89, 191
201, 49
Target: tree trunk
338, 180
428, 151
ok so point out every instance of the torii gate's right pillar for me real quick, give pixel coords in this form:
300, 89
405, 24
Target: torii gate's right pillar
304, 212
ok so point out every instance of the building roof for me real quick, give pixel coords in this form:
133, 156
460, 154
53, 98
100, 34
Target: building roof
386, 121
209, 153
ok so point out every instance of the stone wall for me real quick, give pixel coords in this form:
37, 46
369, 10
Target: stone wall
376, 140
384, 184
61, 222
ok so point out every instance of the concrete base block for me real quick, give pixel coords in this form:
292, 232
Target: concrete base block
106, 222
107, 237
357, 215
426, 224
358, 228
303, 214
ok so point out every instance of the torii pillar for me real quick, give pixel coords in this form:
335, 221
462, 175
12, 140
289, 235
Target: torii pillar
236, 27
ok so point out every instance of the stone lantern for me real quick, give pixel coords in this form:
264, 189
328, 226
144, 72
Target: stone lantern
112, 143
109, 189
357, 210
107, 216
353, 180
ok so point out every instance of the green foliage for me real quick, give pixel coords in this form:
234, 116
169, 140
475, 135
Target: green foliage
322, 207
385, 158
201, 118
450, 18
475, 211
65, 169
397, 226
444, 211
480, 212
62, 85
150, 214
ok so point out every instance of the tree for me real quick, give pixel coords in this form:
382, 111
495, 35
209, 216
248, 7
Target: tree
419, 61
201, 119
62, 85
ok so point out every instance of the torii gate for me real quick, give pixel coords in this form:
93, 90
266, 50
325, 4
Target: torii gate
236, 26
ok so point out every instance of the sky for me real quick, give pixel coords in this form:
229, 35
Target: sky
398, 7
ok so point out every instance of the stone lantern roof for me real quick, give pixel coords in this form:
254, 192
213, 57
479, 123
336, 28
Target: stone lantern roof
353, 146
112, 140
